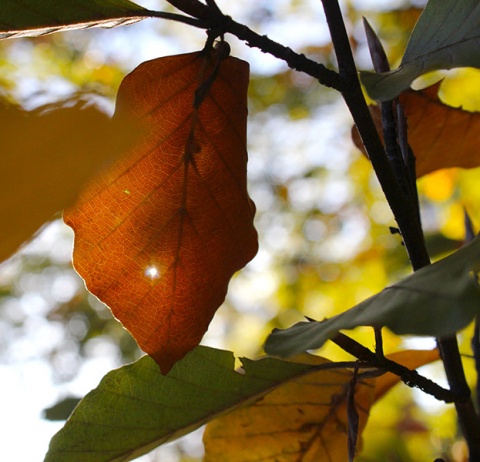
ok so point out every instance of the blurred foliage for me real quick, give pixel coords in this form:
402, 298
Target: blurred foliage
322, 218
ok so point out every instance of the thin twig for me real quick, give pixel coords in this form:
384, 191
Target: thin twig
410, 377
294, 60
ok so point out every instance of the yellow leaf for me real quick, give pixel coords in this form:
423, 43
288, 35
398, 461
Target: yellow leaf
303, 419
47, 156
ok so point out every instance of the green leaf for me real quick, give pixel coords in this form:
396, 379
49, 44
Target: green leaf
34, 17
136, 408
446, 36
437, 300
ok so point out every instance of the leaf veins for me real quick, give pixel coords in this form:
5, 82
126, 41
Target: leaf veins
159, 235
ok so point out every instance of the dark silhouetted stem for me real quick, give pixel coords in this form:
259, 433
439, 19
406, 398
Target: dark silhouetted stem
294, 60
404, 212
411, 378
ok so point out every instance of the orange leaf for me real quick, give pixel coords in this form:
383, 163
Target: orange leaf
159, 235
441, 136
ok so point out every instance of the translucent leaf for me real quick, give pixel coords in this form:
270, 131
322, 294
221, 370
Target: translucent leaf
441, 136
159, 235
33, 17
47, 157
304, 419
446, 36
437, 300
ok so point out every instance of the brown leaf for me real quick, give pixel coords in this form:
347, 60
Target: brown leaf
47, 156
159, 235
441, 136
305, 419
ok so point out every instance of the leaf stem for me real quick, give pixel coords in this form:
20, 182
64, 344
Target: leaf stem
402, 209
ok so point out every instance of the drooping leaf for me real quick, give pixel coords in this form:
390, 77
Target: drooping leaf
446, 36
441, 136
436, 300
158, 236
304, 419
136, 408
47, 156
29, 18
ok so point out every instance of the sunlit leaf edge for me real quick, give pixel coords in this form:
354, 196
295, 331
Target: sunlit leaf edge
15, 22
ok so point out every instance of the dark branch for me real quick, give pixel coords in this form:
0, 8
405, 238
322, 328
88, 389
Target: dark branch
294, 60
411, 378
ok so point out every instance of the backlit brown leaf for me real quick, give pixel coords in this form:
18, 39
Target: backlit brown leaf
441, 136
158, 237
47, 157
305, 419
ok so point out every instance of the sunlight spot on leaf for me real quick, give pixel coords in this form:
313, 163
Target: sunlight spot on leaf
152, 272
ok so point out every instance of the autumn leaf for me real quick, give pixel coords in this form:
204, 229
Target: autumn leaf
42, 172
441, 136
159, 235
30, 18
304, 419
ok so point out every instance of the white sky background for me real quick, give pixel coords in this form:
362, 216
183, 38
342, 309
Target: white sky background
27, 386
